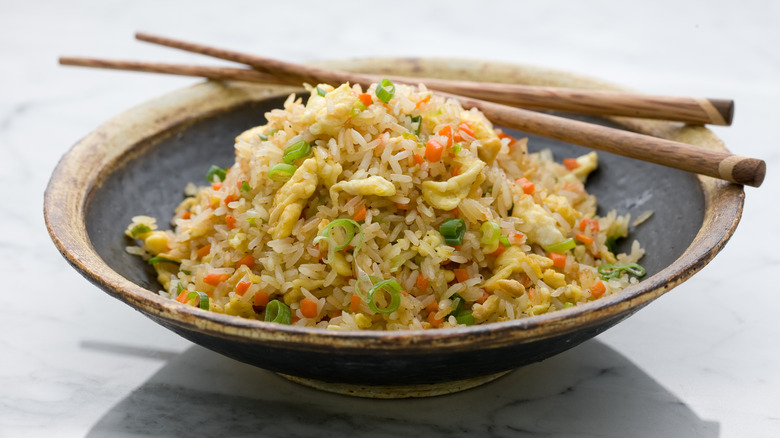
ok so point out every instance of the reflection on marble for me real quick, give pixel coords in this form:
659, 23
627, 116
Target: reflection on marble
590, 390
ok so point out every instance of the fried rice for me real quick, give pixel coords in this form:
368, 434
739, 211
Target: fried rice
387, 208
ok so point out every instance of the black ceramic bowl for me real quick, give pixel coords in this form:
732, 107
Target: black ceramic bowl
139, 162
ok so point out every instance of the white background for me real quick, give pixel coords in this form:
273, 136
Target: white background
702, 360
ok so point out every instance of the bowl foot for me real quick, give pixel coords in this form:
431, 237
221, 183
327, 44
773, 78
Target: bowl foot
396, 391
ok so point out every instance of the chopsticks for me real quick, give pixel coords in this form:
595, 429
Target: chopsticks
718, 164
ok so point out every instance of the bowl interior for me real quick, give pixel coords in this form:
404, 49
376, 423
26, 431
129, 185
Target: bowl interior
149, 179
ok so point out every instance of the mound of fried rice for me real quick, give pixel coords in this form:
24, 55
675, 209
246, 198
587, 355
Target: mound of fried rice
386, 176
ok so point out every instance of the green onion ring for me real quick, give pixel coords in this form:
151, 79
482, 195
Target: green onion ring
490, 233
561, 247
217, 171
392, 288
349, 226
465, 317
321, 91
278, 312
203, 299
453, 230
371, 279
296, 151
281, 172
157, 259
385, 90
139, 229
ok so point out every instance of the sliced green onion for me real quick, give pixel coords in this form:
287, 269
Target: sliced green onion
185, 272
281, 172
179, 288
453, 230
263, 137
385, 90
371, 280
245, 187
157, 259
392, 288
296, 151
611, 244
456, 148
278, 312
608, 272
139, 229
321, 91
567, 305
458, 301
357, 108
561, 247
465, 317
217, 171
349, 227
504, 241
417, 123
490, 232
202, 298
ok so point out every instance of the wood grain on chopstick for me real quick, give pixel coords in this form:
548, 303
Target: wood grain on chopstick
683, 109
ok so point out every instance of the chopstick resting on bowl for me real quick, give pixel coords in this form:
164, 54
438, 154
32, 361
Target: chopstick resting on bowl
718, 164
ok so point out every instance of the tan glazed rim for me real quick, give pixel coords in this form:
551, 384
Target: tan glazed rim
91, 161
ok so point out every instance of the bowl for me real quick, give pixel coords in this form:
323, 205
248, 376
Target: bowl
139, 162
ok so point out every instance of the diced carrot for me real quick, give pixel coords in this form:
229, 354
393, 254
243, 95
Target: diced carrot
423, 100
436, 322
587, 240
559, 260
261, 299
230, 221
231, 198
503, 135
432, 307
528, 186
456, 137
594, 224
461, 275
242, 287
336, 313
204, 250
182, 298
186, 214
214, 278
400, 206
433, 150
308, 308
216, 185
354, 303
598, 289
484, 297
247, 260
516, 238
456, 171
360, 215
422, 282
418, 158
570, 163
366, 99
500, 250
446, 132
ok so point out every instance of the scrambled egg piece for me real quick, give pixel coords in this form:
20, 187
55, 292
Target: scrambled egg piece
373, 185
328, 114
538, 224
329, 170
483, 131
291, 198
585, 165
511, 262
446, 195
562, 205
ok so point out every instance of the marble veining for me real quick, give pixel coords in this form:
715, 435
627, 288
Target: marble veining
701, 361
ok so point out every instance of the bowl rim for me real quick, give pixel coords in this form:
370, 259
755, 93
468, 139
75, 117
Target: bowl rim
83, 168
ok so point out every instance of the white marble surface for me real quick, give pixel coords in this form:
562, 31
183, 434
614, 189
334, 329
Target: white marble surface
701, 361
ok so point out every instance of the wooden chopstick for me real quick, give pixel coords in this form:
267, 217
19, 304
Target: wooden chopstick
595, 102
717, 164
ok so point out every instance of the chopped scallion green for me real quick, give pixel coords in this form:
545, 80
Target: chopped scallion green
614, 271
245, 187
281, 172
466, 317
349, 228
263, 137
393, 289
456, 148
217, 171
139, 229
453, 230
490, 233
278, 312
321, 91
157, 259
504, 241
202, 298
416, 124
561, 247
296, 151
385, 90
